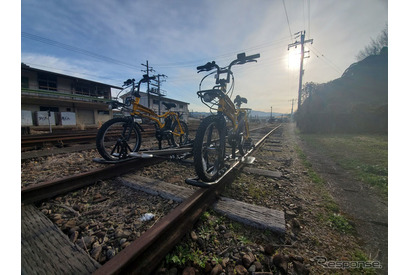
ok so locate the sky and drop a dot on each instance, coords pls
(107, 41)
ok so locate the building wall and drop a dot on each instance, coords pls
(102, 116)
(181, 107)
(87, 111)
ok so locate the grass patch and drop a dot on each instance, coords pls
(340, 223)
(310, 172)
(364, 156)
(182, 255)
(332, 214)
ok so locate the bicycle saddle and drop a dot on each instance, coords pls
(239, 100)
(169, 105)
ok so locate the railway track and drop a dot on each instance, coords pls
(78, 136)
(146, 252)
(38, 141)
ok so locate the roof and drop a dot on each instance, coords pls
(26, 67)
(163, 98)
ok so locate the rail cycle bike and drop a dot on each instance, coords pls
(119, 137)
(212, 134)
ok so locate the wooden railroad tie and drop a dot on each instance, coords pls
(253, 215)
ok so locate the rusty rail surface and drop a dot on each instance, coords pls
(89, 135)
(41, 191)
(144, 254)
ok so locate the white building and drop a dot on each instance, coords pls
(67, 101)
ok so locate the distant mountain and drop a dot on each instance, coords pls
(263, 114)
(253, 114)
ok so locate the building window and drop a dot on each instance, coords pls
(24, 82)
(103, 112)
(181, 106)
(47, 82)
(51, 109)
(155, 101)
(82, 89)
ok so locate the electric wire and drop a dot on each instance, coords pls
(287, 18)
(325, 59)
(75, 49)
(190, 63)
(308, 2)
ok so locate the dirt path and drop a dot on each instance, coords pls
(357, 200)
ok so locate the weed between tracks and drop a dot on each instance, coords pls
(315, 226)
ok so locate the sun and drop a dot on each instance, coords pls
(293, 59)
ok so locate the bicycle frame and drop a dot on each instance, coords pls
(225, 105)
(227, 108)
(142, 111)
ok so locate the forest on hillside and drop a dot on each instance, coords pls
(357, 102)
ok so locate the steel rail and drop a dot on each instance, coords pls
(46, 190)
(34, 140)
(144, 254)
(234, 165)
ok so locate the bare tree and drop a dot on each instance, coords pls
(375, 45)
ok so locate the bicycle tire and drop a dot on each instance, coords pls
(209, 159)
(244, 145)
(115, 138)
(179, 140)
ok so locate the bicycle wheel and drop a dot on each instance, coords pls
(117, 138)
(182, 139)
(209, 148)
(244, 144)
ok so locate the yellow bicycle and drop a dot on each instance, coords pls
(119, 137)
(213, 132)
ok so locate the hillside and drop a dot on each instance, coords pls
(355, 102)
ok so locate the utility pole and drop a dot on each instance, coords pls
(159, 90)
(147, 70)
(302, 57)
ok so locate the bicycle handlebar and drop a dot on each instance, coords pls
(128, 82)
(240, 59)
(207, 67)
(146, 78)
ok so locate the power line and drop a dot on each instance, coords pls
(308, 1)
(75, 49)
(119, 62)
(227, 55)
(325, 59)
(57, 70)
(287, 18)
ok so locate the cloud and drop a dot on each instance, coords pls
(78, 68)
(176, 36)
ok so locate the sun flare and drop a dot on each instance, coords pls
(293, 59)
